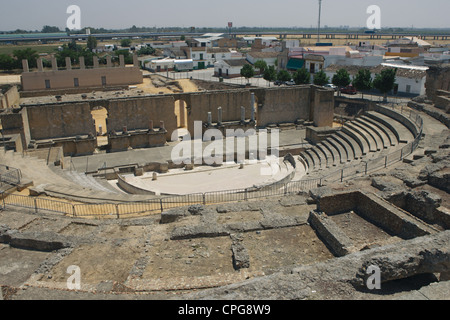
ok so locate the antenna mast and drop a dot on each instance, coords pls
(318, 27)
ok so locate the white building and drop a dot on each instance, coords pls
(229, 68)
(266, 41)
(105, 48)
(269, 57)
(167, 64)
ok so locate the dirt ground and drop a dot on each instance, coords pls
(360, 231)
(283, 248)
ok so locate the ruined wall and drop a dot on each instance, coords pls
(275, 106)
(60, 120)
(200, 104)
(136, 113)
(10, 99)
(13, 123)
(438, 78)
(283, 105)
(322, 106)
(87, 78)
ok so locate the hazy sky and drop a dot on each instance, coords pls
(120, 14)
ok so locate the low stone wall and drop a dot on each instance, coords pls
(71, 146)
(316, 135)
(375, 210)
(62, 92)
(432, 111)
(331, 234)
(443, 102)
(41, 241)
(132, 188)
(390, 218)
(336, 203)
(136, 139)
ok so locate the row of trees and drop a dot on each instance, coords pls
(362, 81)
(301, 76)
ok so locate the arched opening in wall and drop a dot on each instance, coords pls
(181, 113)
(100, 116)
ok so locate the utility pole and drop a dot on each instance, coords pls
(318, 27)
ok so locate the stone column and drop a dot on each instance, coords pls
(219, 116)
(242, 114)
(122, 61)
(150, 125)
(135, 60)
(82, 63)
(25, 66)
(40, 65)
(253, 106)
(161, 126)
(209, 119)
(54, 64)
(68, 64)
(95, 62)
(108, 62)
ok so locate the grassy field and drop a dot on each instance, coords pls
(42, 48)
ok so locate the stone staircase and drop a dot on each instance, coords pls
(64, 183)
(372, 135)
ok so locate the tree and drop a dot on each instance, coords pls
(91, 43)
(6, 62)
(126, 43)
(49, 29)
(261, 65)
(74, 46)
(302, 76)
(320, 78)
(26, 54)
(385, 81)
(284, 75)
(128, 58)
(146, 51)
(363, 80)
(270, 74)
(247, 71)
(341, 78)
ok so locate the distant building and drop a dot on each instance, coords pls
(266, 41)
(269, 57)
(407, 50)
(105, 48)
(229, 68)
(314, 62)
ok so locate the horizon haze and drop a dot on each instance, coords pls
(116, 14)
